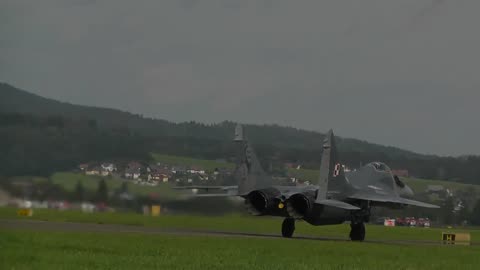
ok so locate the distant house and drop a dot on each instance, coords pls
(93, 171)
(196, 170)
(178, 169)
(109, 167)
(135, 164)
(132, 173)
(400, 173)
(83, 167)
(133, 170)
(160, 174)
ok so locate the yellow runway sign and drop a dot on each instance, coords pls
(456, 238)
(25, 212)
(156, 209)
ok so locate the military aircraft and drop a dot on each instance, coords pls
(337, 197)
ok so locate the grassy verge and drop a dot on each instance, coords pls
(208, 165)
(237, 223)
(68, 181)
(69, 250)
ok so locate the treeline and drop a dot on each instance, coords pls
(32, 145)
(40, 145)
(40, 135)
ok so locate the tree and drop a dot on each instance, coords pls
(124, 187)
(102, 192)
(475, 216)
(79, 194)
(448, 207)
(463, 215)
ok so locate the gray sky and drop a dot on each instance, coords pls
(402, 73)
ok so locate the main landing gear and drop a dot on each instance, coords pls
(357, 232)
(288, 227)
(358, 220)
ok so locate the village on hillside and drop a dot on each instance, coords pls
(155, 173)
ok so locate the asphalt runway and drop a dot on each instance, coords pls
(118, 228)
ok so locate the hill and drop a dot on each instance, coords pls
(41, 136)
(14, 100)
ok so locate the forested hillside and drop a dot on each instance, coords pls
(41, 136)
(13, 100)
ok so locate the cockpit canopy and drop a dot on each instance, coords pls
(379, 166)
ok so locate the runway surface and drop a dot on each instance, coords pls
(118, 228)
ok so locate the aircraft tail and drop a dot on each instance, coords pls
(332, 174)
(248, 172)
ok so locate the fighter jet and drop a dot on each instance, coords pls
(337, 197)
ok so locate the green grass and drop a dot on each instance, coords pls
(68, 181)
(24, 249)
(305, 174)
(237, 223)
(208, 165)
(420, 185)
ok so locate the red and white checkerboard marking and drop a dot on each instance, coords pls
(336, 170)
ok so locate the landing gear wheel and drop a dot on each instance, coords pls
(357, 232)
(288, 227)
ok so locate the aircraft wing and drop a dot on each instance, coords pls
(389, 199)
(208, 187)
(338, 204)
(232, 191)
(212, 195)
(418, 203)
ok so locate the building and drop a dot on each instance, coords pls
(83, 167)
(109, 167)
(160, 174)
(178, 169)
(196, 170)
(132, 173)
(93, 171)
(133, 170)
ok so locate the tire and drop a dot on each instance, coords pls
(357, 232)
(288, 227)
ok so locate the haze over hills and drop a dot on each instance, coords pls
(14, 100)
(40, 136)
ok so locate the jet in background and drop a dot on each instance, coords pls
(336, 197)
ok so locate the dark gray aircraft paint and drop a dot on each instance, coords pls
(338, 196)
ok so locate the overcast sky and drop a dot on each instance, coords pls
(403, 73)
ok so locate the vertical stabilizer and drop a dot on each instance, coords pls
(249, 172)
(238, 133)
(332, 175)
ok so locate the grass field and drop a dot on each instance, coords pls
(208, 165)
(236, 223)
(29, 249)
(77, 250)
(69, 180)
